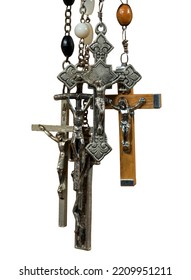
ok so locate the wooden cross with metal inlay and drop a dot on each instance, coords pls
(127, 152)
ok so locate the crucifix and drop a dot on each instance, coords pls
(86, 145)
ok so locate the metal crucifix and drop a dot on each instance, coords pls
(86, 146)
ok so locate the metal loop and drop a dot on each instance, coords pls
(101, 28)
(101, 5)
(65, 61)
(82, 10)
(124, 32)
(121, 58)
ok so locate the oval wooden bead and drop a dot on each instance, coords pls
(88, 40)
(81, 30)
(124, 14)
(89, 5)
(67, 45)
(68, 2)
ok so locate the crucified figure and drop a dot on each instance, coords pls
(126, 119)
(61, 169)
(77, 141)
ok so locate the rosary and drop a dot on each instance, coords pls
(86, 145)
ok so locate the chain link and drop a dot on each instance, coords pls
(68, 15)
(81, 60)
(85, 124)
(100, 12)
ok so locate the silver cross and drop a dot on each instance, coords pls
(100, 77)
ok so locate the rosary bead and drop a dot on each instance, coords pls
(67, 45)
(68, 2)
(88, 40)
(89, 5)
(82, 30)
(124, 14)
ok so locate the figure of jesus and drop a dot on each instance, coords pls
(63, 148)
(126, 120)
(77, 141)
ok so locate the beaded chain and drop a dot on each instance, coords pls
(124, 16)
(67, 43)
(84, 30)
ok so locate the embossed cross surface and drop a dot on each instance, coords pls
(100, 76)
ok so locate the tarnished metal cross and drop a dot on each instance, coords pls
(100, 77)
(63, 143)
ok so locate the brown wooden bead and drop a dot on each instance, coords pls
(124, 14)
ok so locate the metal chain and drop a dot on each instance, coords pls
(68, 15)
(85, 124)
(124, 39)
(81, 54)
(81, 59)
(86, 57)
(125, 45)
(67, 29)
(100, 12)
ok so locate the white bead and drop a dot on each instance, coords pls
(89, 38)
(81, 30)
(89, 4)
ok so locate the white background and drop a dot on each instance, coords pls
(148, 225)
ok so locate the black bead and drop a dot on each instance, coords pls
(67, 45)
(68, 2)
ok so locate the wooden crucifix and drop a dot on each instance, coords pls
(126, 103)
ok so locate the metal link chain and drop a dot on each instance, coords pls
(100, 12)
(68, 15)
(125, 45)
(67, 29)
(81, 59)
(81, 54)
(86, 58)
(85, 124)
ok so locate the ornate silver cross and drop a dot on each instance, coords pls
(100, 77)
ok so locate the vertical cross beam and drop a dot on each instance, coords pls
(63, 203)
(83, 165)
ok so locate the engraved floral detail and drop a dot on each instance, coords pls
(128, 76)
(100, 48)
(99, 148)
(70, 76)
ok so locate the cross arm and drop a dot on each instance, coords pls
(153, 101)
(53, 128)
